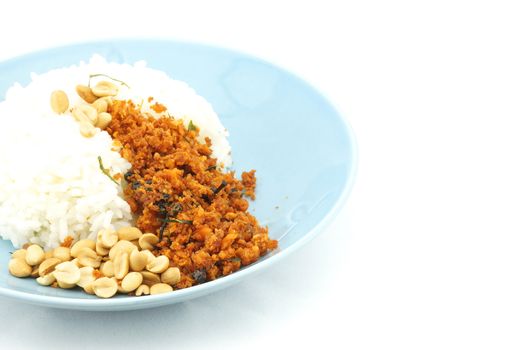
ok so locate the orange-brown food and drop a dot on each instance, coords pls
(177, 192)
(68, 242)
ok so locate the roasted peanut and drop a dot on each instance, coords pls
(105, 287)
(149, 278)
(142, 290)
(124, 246)
(100, 249)
(85, 113)
(131, 282)
(46, 280)
(65, 285)
(107, 237)
(86, 94)
(101, 105)
(149, 255)
(59, 101)
(62, 253)
(81, 244)
(129, 233)
(67, 273)
(148, 241)
(34, 255)
(121, 265)
(18, 267)
(103, 120)
(105, 88)
(20, 253)
(138, 260)
(107, 269)
(88, 257)
(86, 276)
(47, 266)
(171, 276)
(159, 264)
(160, 288)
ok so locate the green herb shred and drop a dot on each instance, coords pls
(107, 76)
(106, 171)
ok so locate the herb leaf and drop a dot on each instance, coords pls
(107, 76)
(221, 186)
(191, 126)
(105, 171)
(179, 221)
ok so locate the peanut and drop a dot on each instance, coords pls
(105, 287)
(34, 255)
(125, 246)
(18, 267)
(142, 290)
(131, 282)
(171, 276)
(86, 94)
(107, 237)
(149, 255)
(67, 273)
(101, 105)
(100, 249)
(81, 244)
(148, 241)
(129, 233)
(149, 278)
(85, 113)
(88, 257)
(46, 280)
(121, 265)
(138, 260)
(108, 269)
(59, 101)
(20, 253)
(47, 266)
(86, 276)
(103, 120)
(62, 253)
(160, 288)
(159, 264)
(105, 88)
(65, 285)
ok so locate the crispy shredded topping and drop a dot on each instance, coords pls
(68, 241)
(178, 192)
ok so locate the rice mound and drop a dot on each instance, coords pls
(51, 185)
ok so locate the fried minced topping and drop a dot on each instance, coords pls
(177, 191)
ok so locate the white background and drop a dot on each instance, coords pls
(428, 253)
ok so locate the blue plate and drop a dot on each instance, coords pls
(302, 149)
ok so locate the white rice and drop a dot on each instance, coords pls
(51, 185)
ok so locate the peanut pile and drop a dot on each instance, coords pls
(94, 112)
(118, 261)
